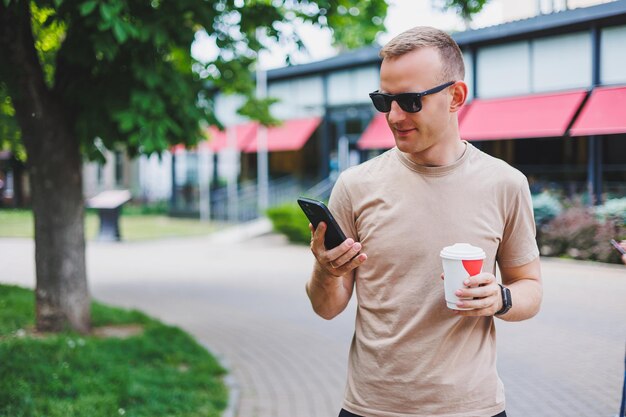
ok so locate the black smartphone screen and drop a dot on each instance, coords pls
(317, 212)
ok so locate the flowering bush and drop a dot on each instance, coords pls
(614, 209)
(579, 234)
(546, 206)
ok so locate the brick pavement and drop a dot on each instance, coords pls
(246, 303)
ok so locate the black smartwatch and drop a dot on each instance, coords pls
(507, 303)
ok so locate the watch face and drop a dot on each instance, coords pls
(508, 297)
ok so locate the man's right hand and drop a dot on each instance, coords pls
(340, 260)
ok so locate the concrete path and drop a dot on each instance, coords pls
(245, 301)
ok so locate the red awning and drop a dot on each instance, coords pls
(377, 135)
(291, 135)
(244, 133)
(540, 115)
(603, 114)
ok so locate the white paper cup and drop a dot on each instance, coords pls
(460, 261)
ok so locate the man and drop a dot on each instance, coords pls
(411, 355)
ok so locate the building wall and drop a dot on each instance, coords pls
(300, 97)
(154, 177)
(551, 55)
(100, 177)
(352, 86)
(148, 178)
(613, 55)
(503, 70)
(535, 66)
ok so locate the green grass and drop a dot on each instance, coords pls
(133, 226)
(160, 372)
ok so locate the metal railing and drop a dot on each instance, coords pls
(242, 206)
(240, 203)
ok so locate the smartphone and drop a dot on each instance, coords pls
(317, 212)
(618, 247)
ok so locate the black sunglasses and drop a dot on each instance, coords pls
(409, 102)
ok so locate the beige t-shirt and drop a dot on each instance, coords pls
(410, 355)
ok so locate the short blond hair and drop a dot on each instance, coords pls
(424, 37)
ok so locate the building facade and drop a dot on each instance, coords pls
(547, 94)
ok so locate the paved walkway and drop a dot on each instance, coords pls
(246, 302)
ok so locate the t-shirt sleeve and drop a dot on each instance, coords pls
(519, 246)
(341, 208)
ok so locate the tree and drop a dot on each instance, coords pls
(467, 9)
(77, 73)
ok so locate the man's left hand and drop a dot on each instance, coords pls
(484, 295)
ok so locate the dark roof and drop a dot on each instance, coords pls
(561, 22)
(350, 59)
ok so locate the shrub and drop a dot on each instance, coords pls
(546, 206)
(155, 208)
(614, 209)
(577, 233)
(289, 220)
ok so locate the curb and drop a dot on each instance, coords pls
(234, 389)
(243, 231)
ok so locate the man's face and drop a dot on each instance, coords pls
(416, 71)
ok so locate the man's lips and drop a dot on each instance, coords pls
(404, 131)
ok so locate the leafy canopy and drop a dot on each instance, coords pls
(464, 8)
(124, 75)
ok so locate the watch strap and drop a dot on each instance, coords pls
(507, 302)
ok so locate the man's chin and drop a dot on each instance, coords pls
(404, 143)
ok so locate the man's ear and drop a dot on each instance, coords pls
(459, 95)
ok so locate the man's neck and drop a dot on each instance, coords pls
(440, 154)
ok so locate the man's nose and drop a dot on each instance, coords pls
(396, 114)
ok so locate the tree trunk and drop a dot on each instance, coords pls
(56, 180)
(54, 161)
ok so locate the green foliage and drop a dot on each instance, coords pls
(464, 8)
(355, 23)
(49, 34)
(546, 206)
(124, 72)
(290, 221)
(157, 208)
(160, 372)
(10, 134)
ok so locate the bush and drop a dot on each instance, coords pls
(577, 233)
(614, 209)
(142, 209)
(289, 220)
(546, 206)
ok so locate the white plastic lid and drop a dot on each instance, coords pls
(462, 251)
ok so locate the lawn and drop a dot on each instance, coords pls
(19, 223)
(159, 371)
